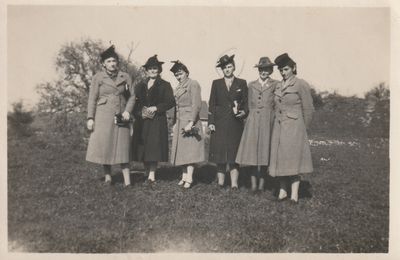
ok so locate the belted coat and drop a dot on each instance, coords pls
(224, 142)
(254, 146)
(187, 149)
(150, 139)
(109, 143)
(290, 149)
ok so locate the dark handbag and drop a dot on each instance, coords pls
(119, 121)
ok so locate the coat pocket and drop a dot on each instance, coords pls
(101, 101)
(292, 115)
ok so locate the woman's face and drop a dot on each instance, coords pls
(110, 64)
(152, 72)
(228, 70)
(286, 72)
(181, 75)
(265, 72)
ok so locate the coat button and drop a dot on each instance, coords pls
(259, 97)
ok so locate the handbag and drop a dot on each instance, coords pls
(119, 120)
(147, 114)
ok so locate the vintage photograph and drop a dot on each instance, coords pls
(198, 128)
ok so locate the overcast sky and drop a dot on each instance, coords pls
(343, 49)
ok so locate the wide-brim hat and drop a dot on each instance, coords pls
(153, 61)
(225, 60)
(284, 60)
(178, 66)
(264, 62)
(108, 53)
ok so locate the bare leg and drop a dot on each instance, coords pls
(184, 175)
(189, 176)
(221, 169)
(283, 188)
(254, 172)
(152, 170)
(234, 175)
(263, 173)
(126, 173)
(107, 172)
(295, 188)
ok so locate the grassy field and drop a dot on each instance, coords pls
(57, 202)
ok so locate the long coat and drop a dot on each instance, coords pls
(255, 143)
(290, 149)
(150, 139)
(109, 143)
(224, 142)
(187, 149)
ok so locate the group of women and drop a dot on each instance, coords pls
(261, 125)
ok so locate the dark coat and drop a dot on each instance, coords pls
(150, 140)
(224, 142)
(109, 143)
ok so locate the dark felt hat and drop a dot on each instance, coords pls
(225, 60)
(178, 66)
(284, 60)
(153, 61)
(264, 62)
(110, 52)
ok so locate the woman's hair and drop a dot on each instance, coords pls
(231, 62)
(185, 69)
(292, 64)
(158, 66)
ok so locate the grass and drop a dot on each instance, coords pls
(57, 202)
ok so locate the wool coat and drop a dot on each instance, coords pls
(290, 149)
(187, 149)
(254, 146)
(109, 143)
(224, 142)
(150, 139)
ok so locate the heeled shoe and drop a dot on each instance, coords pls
(282, 199)
(294, 202)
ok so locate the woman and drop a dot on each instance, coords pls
(154, 96)
(290, 150)
(255, 143)
(227, 108)
(188, 141)
(109, 142)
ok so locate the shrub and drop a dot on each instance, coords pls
(20, 120)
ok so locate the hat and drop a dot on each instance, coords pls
(153, 61)
(225, 60)
(178, 66)
(283, 60)
(264, 62)
(110, 52)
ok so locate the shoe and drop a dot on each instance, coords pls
(127, 186)
(235, 188)
(187, 185)
(181, 182)
(282, 200)
(294, 202)
(220, 186)
(149, 182)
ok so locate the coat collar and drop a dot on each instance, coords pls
(284, 86)
(120, 78)
(257, 85)
(181, 88)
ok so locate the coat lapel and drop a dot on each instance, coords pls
(181, 89)
(288, 84)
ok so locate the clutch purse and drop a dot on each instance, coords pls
(147, 114)
(119, 121)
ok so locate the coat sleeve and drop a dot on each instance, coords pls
(306, 103)
(167, 100)
(196, 101)
(93, 96)
(137, 108)
(245, 98)
(132, 99)
(212, 103)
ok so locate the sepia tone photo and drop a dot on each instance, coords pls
(203, 128)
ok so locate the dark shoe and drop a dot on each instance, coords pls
(128, 186)
(294, 202)
(220, 186)
(235, 189)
